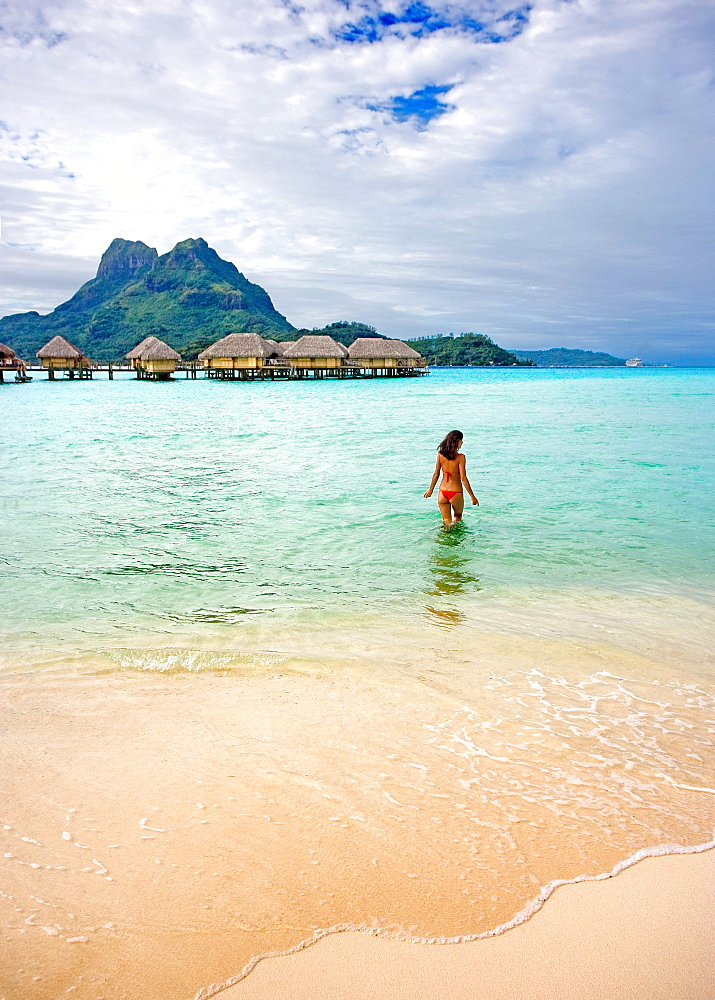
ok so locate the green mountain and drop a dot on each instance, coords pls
(470, 349)
(186, 295)
(567, 357)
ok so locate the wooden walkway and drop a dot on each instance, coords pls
(189, 370)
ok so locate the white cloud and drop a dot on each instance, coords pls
(565, 200)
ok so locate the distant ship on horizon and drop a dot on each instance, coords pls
(634, 363)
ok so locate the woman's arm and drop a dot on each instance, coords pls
(463, 473)
(435, 477)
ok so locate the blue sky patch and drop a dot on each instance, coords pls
(421, 106)
(419, 19)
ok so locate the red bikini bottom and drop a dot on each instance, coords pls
(448, 494)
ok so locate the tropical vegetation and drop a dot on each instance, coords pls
(566, 357)
(474, 350)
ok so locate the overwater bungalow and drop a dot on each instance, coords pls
(135, 353)
(9, 361)
(388, 357)
(316, 351)
(157, 360)
(59, 355)
(7, 356)
(238, 353)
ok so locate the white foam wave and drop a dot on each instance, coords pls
(532, 907)
(170, 660)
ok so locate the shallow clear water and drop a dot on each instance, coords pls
(234, 629)
(146, 504)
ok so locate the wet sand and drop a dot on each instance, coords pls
(646, 934)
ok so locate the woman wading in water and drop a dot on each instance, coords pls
(453, 468)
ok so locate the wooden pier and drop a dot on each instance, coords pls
(19, 373)
(288, 371)
(194, 371)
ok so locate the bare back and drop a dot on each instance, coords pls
(451, 469)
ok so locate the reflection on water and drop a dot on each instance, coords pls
(216, 616)
(449, 564)
(450, 573)
(445, 616)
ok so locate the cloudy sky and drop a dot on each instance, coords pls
(540, 173)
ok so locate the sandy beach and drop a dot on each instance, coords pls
(647, 934)
(162, 830)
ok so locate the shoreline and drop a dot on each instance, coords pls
(210, 818)
(629, 939)
(524, 915)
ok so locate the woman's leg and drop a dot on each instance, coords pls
(458, 506)
(445, 508)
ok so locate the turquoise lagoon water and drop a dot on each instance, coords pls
(228, 609)
(137, 506)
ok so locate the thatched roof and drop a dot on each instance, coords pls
(315, 346)
(136, 352)
(159, 351)
(239, 345)
(276, 348)
(376, 347)
(58, 347)
(6, 352)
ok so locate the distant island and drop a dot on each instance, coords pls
(478, 350)
(569, 357)
(467, 350)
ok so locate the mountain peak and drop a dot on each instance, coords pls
(191, 244)
(123, 258)
(192, 252)
(189, 293)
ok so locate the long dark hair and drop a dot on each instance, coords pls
(451, 443)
